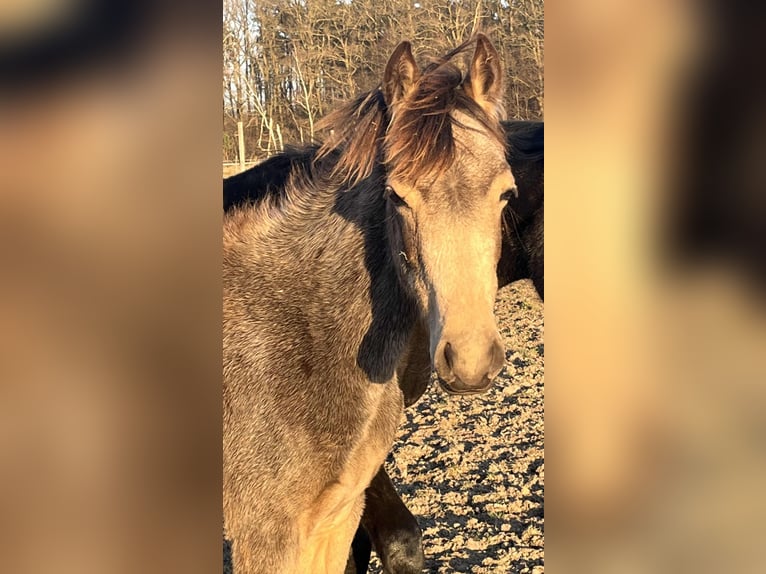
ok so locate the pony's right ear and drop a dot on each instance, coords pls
(485, 78)
(401, 74)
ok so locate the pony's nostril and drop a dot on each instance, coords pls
(449, 356)
(470, 367)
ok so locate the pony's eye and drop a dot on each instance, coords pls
(509, 194)
(394, 197)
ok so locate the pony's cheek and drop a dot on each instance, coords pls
(402, 239)
(409, 244)
(404, 243)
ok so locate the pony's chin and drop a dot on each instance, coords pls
(451, 390)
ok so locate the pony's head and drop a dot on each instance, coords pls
(437, 132)
(447, 182)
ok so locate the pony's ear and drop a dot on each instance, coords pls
(401, 74)
(485, 78)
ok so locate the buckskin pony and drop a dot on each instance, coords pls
(393, 530)
(325, 289)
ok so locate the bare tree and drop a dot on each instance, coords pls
(287, 62)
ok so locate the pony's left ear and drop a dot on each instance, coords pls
(401, 74)
(485, 78)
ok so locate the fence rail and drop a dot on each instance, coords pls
(234, 167)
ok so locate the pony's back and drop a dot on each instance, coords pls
(268, 177)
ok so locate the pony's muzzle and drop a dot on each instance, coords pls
(469, 367)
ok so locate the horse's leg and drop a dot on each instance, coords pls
(394, 532)
(399, 542)
(326, 543)
(359, 556)
(397, 536)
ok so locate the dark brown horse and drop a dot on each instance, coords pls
(394, 531)
(333, 292)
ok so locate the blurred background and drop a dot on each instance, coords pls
(655, 326)
(110, 290)
(110, 166)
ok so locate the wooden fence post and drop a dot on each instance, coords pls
(241, 137)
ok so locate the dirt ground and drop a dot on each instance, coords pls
(472, 469)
